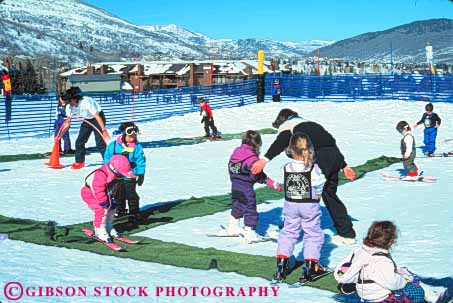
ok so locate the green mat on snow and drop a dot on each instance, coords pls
(150, 144)
(169, 253)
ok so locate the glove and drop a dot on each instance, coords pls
(407, 275)
(273, 185)
(140, 179)
(349, 173)
(112, 204)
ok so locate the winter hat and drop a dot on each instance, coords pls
(74, 92)
(120, 166)
(282, 116)
(402, 125)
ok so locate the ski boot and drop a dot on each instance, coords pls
(282, 268)
(312, 271)
(251, 236)
(102, 234)
(234, 228)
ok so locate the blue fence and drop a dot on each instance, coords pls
(34, 115)
(433, 88)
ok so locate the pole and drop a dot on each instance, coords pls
(260, 89)
(391, 56)
(319, 68)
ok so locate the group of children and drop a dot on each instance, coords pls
(107, 189)
(431, 121)
(369, 271)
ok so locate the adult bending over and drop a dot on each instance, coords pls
(94, 120)
(328, 158)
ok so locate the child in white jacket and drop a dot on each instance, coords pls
(373, 272)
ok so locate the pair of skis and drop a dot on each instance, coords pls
(112, 245)
(427, 179)
(299, 284)
(223, 234)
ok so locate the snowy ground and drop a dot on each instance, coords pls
(364, 130)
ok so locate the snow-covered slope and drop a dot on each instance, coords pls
(77, 32)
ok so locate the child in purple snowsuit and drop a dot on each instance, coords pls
(60, 119)
(303, 186)
(242, 181)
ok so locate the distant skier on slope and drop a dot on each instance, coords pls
(207, 118)
(408, 151)
(99, 194)
(242, 180)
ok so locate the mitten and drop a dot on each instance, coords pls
(140, 179)
(274, 185)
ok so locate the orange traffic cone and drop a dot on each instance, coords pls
(54, 161)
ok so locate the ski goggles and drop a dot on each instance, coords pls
(131, 130)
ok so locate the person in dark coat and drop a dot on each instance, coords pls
(329, 159)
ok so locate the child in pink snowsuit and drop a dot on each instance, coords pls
(99, 192)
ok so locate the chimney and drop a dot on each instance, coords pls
(90, 70)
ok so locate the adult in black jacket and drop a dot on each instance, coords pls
(329, 159)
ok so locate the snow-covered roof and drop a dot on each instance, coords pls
(126, 86)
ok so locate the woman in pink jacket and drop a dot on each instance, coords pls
(99, 192)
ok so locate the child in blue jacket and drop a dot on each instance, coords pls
(127, 144)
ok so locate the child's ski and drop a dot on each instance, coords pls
(427, 179)
(126, 240)
(260, 239)
(111, 245)
(438, 155)
(222, 233)
(302, 283)
(445, 297)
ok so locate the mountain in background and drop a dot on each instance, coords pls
(406, 42)
(75, 32)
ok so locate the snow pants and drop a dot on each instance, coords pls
(102, 215)
(244, 202)
(300, 217)
(429, 139)
(330, 160)
(209, 123)
(128, 191)
(84, 134)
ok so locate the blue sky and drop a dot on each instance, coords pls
(291, 20)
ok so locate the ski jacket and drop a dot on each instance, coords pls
(86, 108)
(134, 152)
(60, 111)
(327, 155)
(408, 145)
(241, 162)
(375, 275)
(299, 188)
(429, 120)
(95, 192)
(207, 108)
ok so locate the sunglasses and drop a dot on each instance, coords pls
(131, 130)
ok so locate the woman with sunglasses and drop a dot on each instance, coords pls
(126, 144)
